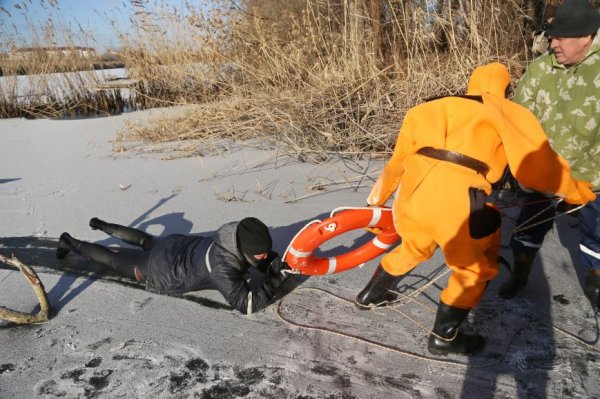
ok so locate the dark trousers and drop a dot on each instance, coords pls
(530, 239)
(589, 228)
(128, 262)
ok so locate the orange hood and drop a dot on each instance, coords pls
(492, 78)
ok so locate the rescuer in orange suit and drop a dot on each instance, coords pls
(448, 153)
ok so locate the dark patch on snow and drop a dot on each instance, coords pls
(98, 344)
(198, 368)
(343, 395)
(276, 378)
(342, 381)
(51, 388)
(6, 367)
(560, 298)
(95, 362)
(406, 384)
(442, 393)
(74, 375)
(179, 381)
(146, 363)
(325, 370)
(98, 382)
(411, 376)
(250, 376)
(225, 390)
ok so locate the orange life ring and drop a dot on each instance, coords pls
(299, 255)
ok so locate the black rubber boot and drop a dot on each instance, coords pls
(520, 273)
(378, 291)
(447, 338)
(129, 235)
(64, 246)
(592, 288)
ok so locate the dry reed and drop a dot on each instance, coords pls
(320, 77)
(317, 76)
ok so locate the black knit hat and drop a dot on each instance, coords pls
(253, 237)
(574, 18)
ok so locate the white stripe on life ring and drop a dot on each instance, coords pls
(376, 217)
(299, 254)
(332, 265)
(380, 244)
(206, 257)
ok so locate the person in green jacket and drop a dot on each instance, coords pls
(562, 88)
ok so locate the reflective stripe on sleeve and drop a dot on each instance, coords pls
(206, 257)
(249, 307)
(589, 252)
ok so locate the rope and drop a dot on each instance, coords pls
(358, 338)
(394, 306)
(578, 339)
(524, 226)
(404, 352)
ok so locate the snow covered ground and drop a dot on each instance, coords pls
(110, 338)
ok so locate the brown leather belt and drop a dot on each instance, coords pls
(454, 157)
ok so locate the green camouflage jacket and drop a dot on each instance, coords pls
(567, 103)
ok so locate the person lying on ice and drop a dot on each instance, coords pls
(448, 152)
(178, 263)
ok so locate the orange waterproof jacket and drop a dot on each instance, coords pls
(433, 205)
(495, 131)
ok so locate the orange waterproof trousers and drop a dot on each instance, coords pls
(437, 214)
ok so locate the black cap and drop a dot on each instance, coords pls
(253, 237)
(574, 18)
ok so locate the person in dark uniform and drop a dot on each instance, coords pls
(179, 263)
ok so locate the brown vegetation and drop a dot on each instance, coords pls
(321, 76)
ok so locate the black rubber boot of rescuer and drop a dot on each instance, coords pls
(520, 273)
(128, 234)
(64, 247)
(447, 338)
(591, 288)
(378, 291)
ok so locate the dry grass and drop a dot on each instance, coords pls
(316, 76)
(313, 78)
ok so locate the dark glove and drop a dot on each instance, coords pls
(276, 276)
(277, 268)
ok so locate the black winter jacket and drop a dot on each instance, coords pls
(183, 263)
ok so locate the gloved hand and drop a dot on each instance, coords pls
(276, 276)
(582, 195)
(277, 267)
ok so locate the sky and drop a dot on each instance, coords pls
(95, 23)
